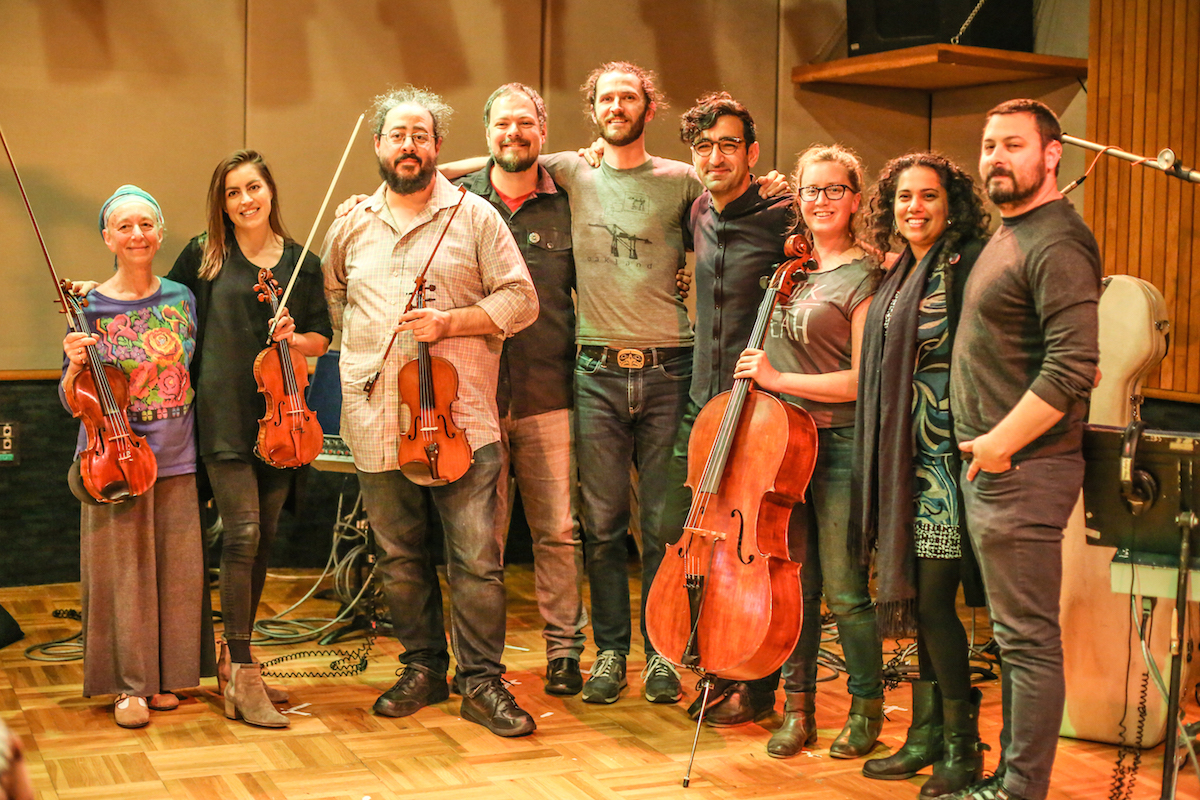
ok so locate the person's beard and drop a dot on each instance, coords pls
(513, 160)
(1017, 193)
(631, 135)
(405, 184)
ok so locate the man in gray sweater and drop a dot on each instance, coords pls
(1023, 367)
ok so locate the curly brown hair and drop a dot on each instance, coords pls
(646, 79)
(967, 217)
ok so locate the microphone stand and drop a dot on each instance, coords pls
(1164, 162)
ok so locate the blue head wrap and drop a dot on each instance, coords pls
(125, 194)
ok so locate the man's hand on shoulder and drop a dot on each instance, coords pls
(349, 203)
(773, 184)
(593, 154)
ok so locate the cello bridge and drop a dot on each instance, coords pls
(704, 533)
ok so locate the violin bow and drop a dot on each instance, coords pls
(369, 386)
(313, 230)
(62, 298)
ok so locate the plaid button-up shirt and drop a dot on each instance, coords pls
(370, 268)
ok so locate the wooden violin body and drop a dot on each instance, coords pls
(289, 435)
(726, 600)
(117, 464)
(434, 451)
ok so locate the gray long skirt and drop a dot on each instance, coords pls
(142, 570)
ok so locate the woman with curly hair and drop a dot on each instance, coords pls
(905, 491)
(811, 357)
(245, 233)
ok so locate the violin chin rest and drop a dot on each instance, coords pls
(115, 492)
(419, 473)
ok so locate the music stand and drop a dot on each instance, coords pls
(1140, 494)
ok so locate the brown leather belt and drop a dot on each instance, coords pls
(631, 357)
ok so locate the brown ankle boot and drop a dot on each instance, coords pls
(246, 698)
(862, 728)
(277, 696)
(799, 728)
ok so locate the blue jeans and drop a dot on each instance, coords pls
(399, 516)
(1016, 519)
(829, 568)
(624, 416)
(538, 450)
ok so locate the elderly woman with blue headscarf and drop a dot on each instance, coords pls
(141, 560)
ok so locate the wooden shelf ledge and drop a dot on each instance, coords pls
(933, 67)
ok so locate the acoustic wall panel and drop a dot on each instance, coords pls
(94, 95)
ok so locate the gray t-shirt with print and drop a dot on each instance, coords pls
(627, 232)
(811, 335)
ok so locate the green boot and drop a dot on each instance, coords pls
(923, 745)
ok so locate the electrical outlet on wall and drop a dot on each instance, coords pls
(10, 453)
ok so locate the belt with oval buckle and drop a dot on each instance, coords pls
(630, 358)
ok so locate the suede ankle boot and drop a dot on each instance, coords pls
(962, 760)
(246, 698)
(923, 745)
(277, 695)
(799, 728)
(862, 728)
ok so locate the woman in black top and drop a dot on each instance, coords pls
(907, 465)
(245, 233)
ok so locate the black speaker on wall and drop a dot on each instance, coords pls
(875, 26)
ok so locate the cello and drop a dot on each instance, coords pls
(726, 600)
(289, 435)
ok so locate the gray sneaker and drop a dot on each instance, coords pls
(661, 681)
(607, 678)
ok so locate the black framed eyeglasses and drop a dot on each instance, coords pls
(727, 144)
(834, 191)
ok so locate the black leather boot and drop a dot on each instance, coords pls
(799, 728)
(862, 728)
(922, 746)
(962, 761)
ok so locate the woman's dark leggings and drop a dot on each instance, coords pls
(249, 498)
(941, 639)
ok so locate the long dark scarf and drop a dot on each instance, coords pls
(882, 487)
(884, 439)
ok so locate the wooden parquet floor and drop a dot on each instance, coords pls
(337, 750)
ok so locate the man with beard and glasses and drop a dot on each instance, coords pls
(480, 293)
(534, 395)
(1022, 370)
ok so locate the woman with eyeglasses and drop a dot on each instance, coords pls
(245, 233)
(811, 357)
(907, 501)
(141, 559)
